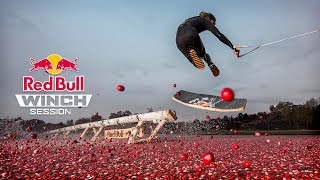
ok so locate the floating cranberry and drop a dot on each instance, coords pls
(33, 136)
(227, 94)
(183, 157)
(120, 88)
(309, 146)
(283, 151)
(207, 158)
(235, 147)
(246, 164)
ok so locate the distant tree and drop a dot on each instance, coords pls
(285, 114)
(69, 122)
(120, 114)
(82, 121)
(225, 118)
(311, 103)
(316, 119)
(127, 113)
(96, 117)
(18, 118)
(196, 121)
(61, 125)
(245, 116)
(150, 109)
(272, 108)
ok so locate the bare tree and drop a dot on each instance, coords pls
(150, 109)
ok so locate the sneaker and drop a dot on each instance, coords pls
(214, 70)
(196, 60)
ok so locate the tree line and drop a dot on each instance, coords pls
(283, 116)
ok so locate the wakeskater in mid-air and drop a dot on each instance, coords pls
(189, 43)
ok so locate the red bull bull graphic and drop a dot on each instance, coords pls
(53, 104)
(54, 64)
(64, 64)
(43, 64)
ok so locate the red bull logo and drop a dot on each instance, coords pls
(53, 104)
(54, 64)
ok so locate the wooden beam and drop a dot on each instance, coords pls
(135, 131)
(84, 132)
(97, 133)
(156, 130)
(94, 130)
(66, 134)
(152, 116)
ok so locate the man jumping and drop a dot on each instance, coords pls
(189, 42)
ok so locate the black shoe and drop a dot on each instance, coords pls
(214, 70)
(213, 67)
(196, 60)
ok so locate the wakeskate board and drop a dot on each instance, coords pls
(209, 102)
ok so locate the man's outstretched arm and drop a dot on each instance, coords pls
(223, 38)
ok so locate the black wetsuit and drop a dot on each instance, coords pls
(188, 37)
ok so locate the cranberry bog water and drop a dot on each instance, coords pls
(166, 157)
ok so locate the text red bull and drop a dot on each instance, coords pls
(57, 83)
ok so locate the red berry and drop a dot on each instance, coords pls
(120, 88)
(207, 158)
(309, 146)
(235, 146)
(178, 94)
(33, 136)
(283, 151)
(174, 85)
(207, 117)
(247, 164)
(29, 128)
(290, 142)
(227, 94)
(265, 134)
(183, 157)
(260, 117)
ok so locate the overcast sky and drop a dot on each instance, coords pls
(133, 43)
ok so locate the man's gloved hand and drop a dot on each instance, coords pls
(236, 52)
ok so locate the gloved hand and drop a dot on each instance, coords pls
(236, 52)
